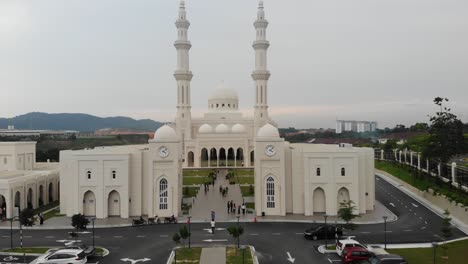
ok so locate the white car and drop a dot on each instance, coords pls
(65, 256)
(349, 243)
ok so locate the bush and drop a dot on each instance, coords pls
(26, 217)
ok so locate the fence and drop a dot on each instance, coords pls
(457, 176)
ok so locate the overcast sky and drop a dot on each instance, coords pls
(382, 60)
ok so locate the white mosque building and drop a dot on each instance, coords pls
(303, 179)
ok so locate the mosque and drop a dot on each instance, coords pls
(129, 181)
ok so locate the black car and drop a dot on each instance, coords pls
(384, 259)
(322, 232)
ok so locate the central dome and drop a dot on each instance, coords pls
(223, 99)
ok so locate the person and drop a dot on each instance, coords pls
(41, 218)
(212, 226)
(220, 188)
(229, 207)
(243, 208)
(226, 189)
(233, 208)
(141, 220)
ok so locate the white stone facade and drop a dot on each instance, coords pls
(23, 182)
(139, 180)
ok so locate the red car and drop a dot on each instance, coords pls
(353, 254)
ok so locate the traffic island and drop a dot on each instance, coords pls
(229, 255)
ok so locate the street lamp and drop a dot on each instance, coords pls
(326, 231)
(189, 234)
(11, 232)
(385, 230)
(434, 245)
(92, 221)
(238, 236)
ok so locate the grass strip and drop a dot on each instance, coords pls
(188, 256)
(455, 252)
(238, 256)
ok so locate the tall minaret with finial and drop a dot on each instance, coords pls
(183, 75)
(261, 73)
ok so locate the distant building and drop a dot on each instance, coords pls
(12, 132)
(355, 126)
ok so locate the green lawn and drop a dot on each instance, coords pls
(188, 256)
(234, 256)
(422, 183)
(456, 252)
(198, 172)
(52, 213)
(244, 179)
(190, 191)
(243, 172)
(247, 191)
(250, 205)
(194, 180)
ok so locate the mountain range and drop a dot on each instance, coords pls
(78, 122)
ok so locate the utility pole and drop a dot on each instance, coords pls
(385, 230)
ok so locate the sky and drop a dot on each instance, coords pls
(381, 60)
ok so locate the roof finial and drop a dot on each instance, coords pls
(260, 4)
(182, 3)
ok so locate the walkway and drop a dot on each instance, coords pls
(213, 200)
(215, 255)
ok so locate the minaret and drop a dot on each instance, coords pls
(261, 73)
(183, 75)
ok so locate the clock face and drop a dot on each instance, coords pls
(163, 152)
(270, 150)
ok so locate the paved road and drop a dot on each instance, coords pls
(273, 241)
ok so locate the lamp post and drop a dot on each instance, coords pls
(11, 232)
(434, 245)
(385, 230)
(189, 235)
(238, 236)
(92, 221)
(326, 231)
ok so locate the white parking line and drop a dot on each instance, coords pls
(299, 233)
(276, 234)
(365, 232)
(141, 236)
(423, 227)
(255, 234)
(49, 237)
(118, 236)
(6, 236)
(407, 230)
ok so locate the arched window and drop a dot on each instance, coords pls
(270, 192)
(343, 171)
(223, 105)
(217, 105)
(229, 105)
(163, 194)
(318, 172)
(114, 174)
(88, 174)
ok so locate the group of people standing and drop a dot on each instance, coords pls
(223, 190)
(231, 208)
(207, 185)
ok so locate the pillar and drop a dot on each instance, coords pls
(381, 154)
(419, 161)
(401, 152)
(438, 169)
(411, 158)
(454, 172)
(427, 165)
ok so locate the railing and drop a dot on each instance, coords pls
(457, 176)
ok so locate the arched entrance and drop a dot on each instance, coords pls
(113, 204)
(40, 199)
(51, 192)
(18, 199)
(343, 196)
(222, 157)
(3, 206)
(190, 159)
(240, 157)
(252, 158)
(213, 158)
(204, 158)
(89, 204)
(230, 157)
(319, 201)
(29, 199)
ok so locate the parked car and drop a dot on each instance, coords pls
(353, 254)
(63, 256)
(88, 250)
(384, 259)
(349, 243)
(322, 231)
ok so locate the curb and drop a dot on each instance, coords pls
(438, 211)
(254, 255)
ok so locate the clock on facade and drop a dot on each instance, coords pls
(270, 150)
(163, 152)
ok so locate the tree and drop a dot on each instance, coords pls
(236, 231)
(26, 217)
(79, 222)
(446, 137)
(346, 212)
(176, 238)
(390, 145)
(184, 233)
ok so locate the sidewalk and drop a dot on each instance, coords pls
(216, 255)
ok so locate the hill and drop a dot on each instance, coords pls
(79, 122)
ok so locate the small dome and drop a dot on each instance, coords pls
(205, 128)
(165, 132)
(222, 128)
(223, 92)
(238, 128)
(268, 131)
